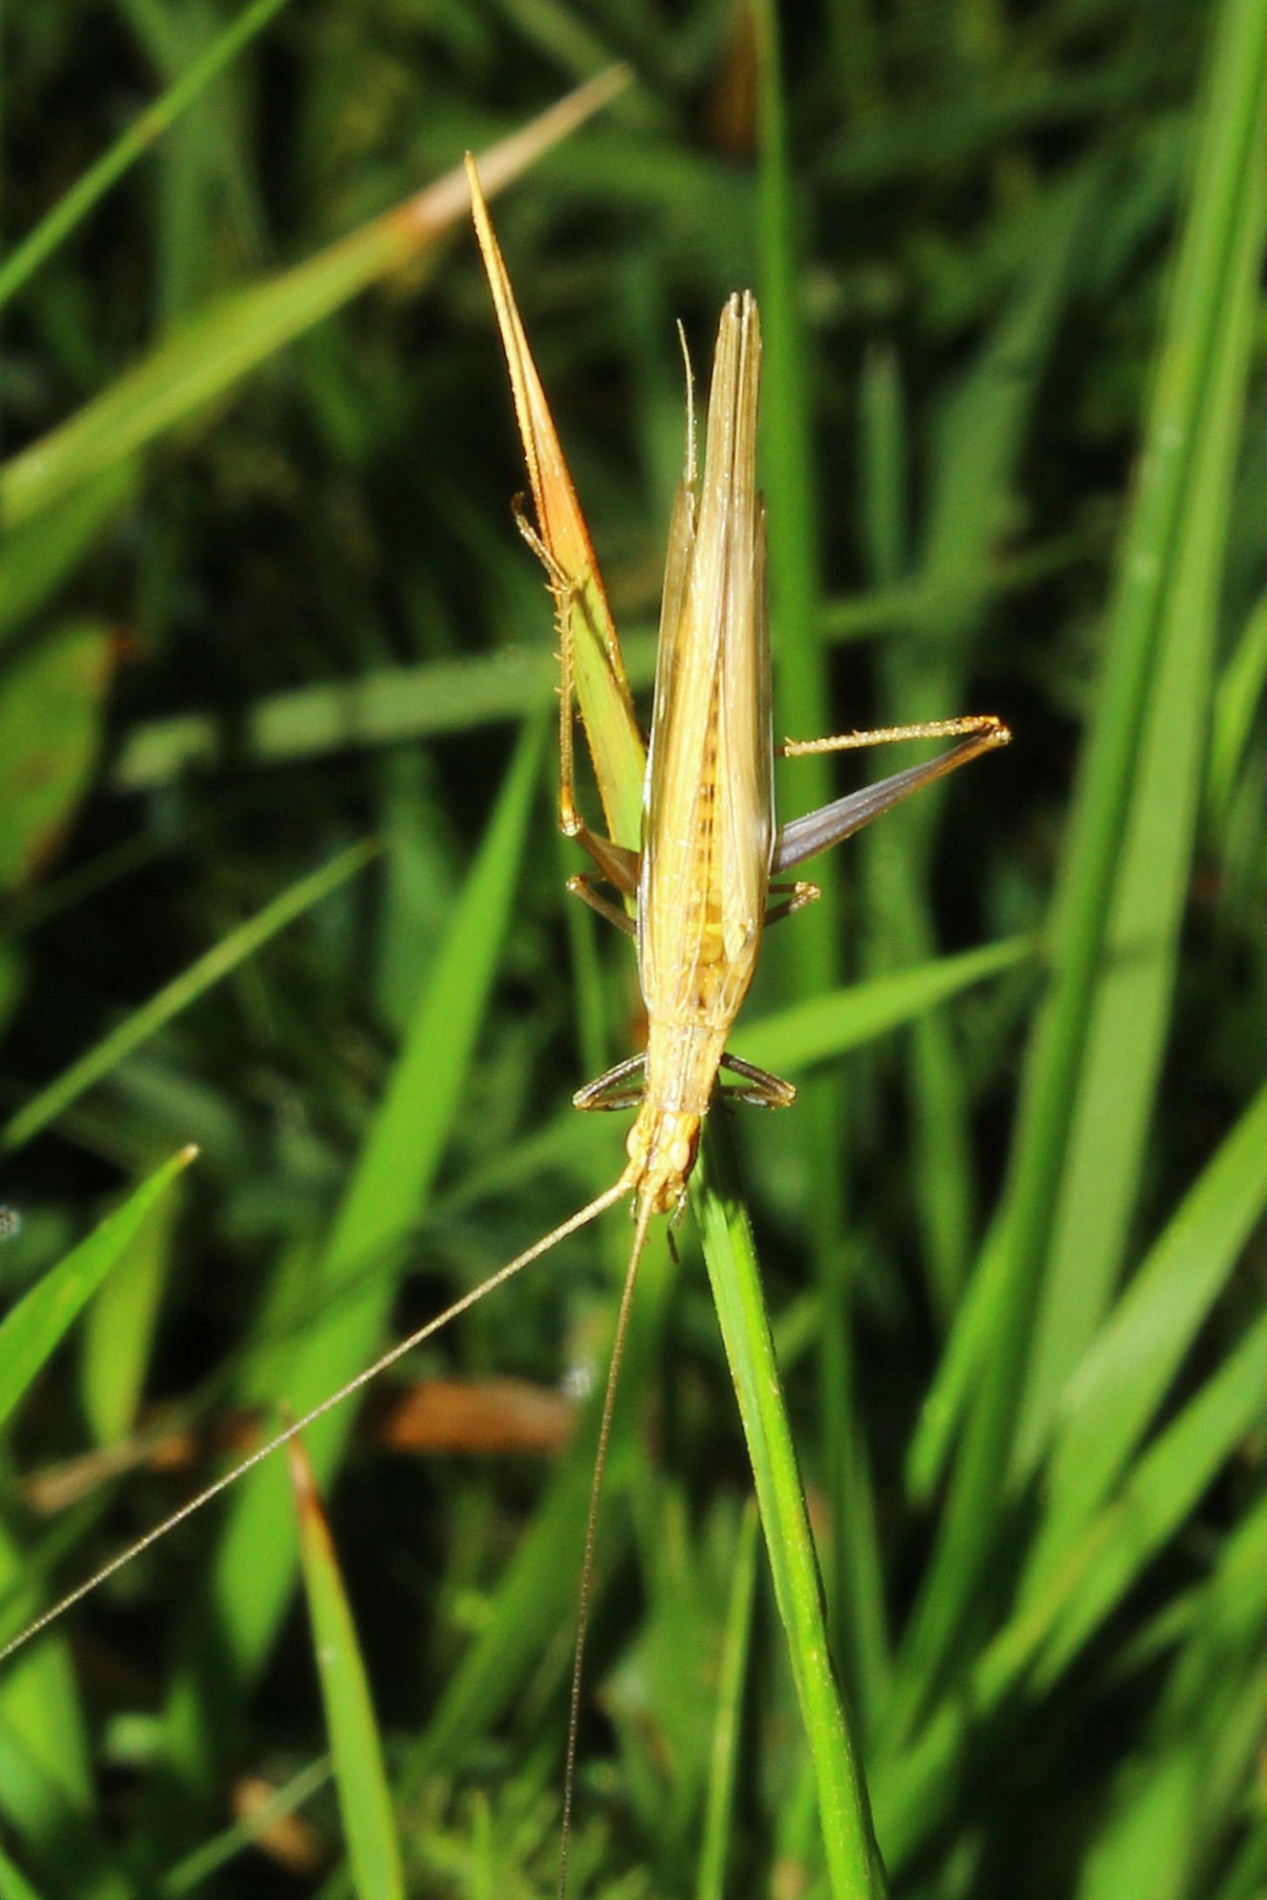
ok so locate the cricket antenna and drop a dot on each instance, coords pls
(572, 1225)
(645, 1209)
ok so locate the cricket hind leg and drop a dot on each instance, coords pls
(818, 830)
(758, 1087)
(791, 898)
(621, 1087)
(582, 888)
(983, 726)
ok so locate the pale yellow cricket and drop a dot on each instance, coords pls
(702, 877)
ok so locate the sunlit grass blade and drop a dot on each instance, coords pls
(1223, 201)
(365, 1802)
(209, 969)
(1130, 1019)
(209, 354)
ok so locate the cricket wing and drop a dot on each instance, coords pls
(707, 824)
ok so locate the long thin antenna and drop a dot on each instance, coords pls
(645, 1210)
(580, 1219)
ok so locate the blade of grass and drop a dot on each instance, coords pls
(205, 357)
(855, 1592)
(1131, 1012)
(732, 1675)
(360, 1773)
(854, 1868)
(1223, 194)
(37, 1324)
(25, 259)
(52, 1101)
(1128, 1369)
(251, 1576)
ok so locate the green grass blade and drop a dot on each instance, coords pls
(52, 711)
(1223, 196)
(853, 1862)
(1159, 1492)
(1124, 1377)
(1131, 1013)
(825, 1026)
(71, 210)
(719, 1813)
(209, 354)
(365, 1802)
(1236, 704)
(177, 995)
(254, 1568)
(37, 1324)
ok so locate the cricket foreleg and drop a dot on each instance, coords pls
(803, 837)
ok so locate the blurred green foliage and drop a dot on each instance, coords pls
(261, 598)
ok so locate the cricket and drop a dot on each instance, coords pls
(695, 876)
